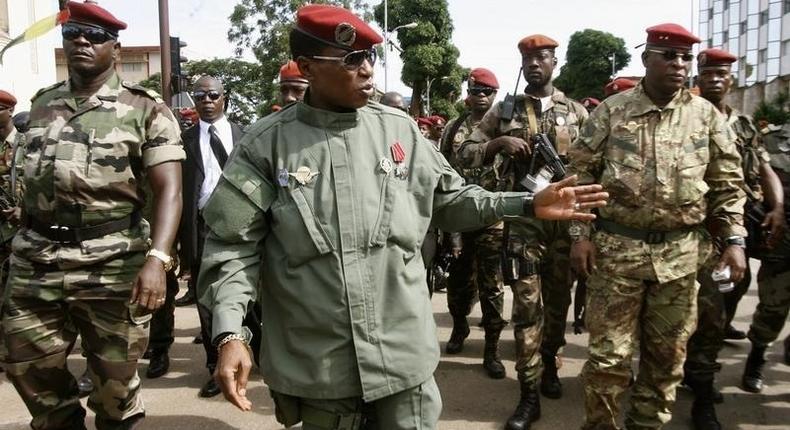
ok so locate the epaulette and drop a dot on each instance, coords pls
(137, 88)
(46, 89)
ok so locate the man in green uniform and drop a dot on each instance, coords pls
(79, 263)
(478, 266)
(773, 279)
(8, 219)
(671, 164)
(704, 345)
(501, 141)
(332, 198)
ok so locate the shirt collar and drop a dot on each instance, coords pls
(326, 119)
(221, 123)
(644, 105)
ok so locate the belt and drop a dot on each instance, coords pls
(67, 234)
(651, 237)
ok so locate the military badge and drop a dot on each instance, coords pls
(560, 121)
(385, 165)
(345, 34)
(282, 177)
(304, 175)
(398, 154)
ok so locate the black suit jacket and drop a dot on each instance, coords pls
(193, 175)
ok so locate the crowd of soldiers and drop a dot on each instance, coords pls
(307, 239)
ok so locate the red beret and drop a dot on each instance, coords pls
(290, 72)
(715, 57)
(91, 13)
(618, 85)
(671, 35)
(276, 108)
(436, 120)
(424, 121)
(483, 77)
(336, 26)
(536, 42)
(590, 101)
(7, 99)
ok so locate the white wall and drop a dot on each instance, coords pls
(29, 66)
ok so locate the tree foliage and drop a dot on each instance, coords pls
(428, 52)
(588, 64)
(775, 111)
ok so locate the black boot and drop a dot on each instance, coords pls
(703, 413)
(528, 409)
(491, 361)
(159, 364)
(460, 332)
(752, 380)
(732, 333)
(718, 398)
(550, 385)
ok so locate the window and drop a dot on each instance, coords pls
(775, 10)
(774, 30)
(752, 39)
(786, 8)
(735, 13)
(762, 56)
(717, 39)
(772, 68)
(132, 67)
(725, 35)
(753, 21)
(717, 6)
(764, 17)
(743, 27)
(786, 47)
(753, 6)
(725, 4)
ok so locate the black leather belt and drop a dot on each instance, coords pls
(67, 234)
(651, 237)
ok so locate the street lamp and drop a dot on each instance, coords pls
(429, 81)
(387, 43)
(613, 57)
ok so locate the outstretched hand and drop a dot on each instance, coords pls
(563, 200)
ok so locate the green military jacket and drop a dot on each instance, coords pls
(665, 169)
(85, 164)
(315, 205)
(748, 140)
(7, 150)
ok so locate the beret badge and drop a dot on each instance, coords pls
(345, 34)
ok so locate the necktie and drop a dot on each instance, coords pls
(216, 147)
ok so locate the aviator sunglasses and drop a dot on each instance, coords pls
(671, 54)
(93, 35)
(476, 91)
(200, 95)
(354, 59)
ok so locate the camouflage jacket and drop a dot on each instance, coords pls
(665, 169)
(8, 150)
(777, 143)
(561, 121)
(85, 164)
(483, 176)
(750, 145)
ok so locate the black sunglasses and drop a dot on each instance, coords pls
(200, 95)
(94, 35)
(354, 59)
(486, 91)
(671, 54)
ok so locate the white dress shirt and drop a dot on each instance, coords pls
(210, 164)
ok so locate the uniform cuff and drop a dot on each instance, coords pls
(162, 154)
(513, 204)
(225, 320)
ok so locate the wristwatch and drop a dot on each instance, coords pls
(165, 258)
(528, 205)
(736, 240)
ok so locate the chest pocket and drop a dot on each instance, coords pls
(298, 229)
(691, 186)
(622, 175)
(395, 221)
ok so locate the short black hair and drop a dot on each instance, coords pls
(304, 45)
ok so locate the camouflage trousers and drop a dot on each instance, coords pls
(478, 268)
(5, 253)
(773, 289)
(46, 309)
(541, 243)
(556, 282)
(708, 338)
(624, 314)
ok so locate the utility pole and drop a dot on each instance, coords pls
(164, 49)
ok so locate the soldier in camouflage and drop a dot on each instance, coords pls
(478, 265)
(773, 278)
(79, 259)
(672, 167)
(704, 345)
(501, 141)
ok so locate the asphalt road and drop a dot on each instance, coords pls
(471, 400)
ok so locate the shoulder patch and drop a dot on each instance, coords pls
(137, 88)
(46, 89)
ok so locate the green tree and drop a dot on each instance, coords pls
(153, 82)
(428, 52)
(776, 111)
(588, 64)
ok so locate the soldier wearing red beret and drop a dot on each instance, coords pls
(618, 85)
(9, 141)
(98, 264)
(424, 125)
(674, 172)
(331, 198)
(503, 140)
(292, 84)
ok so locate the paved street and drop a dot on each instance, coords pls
(471, 400)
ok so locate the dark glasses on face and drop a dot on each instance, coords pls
(94, 35)
(200, 95)
(354, 59)
(476, 91)
(671, 54)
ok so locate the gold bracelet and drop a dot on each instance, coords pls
(230, 337)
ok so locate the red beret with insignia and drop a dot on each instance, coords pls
(536, 42)
(618, 85)
(93, 14)
(715, 57)
(590, 101)
(290, 72)
(483, 77)
(424, 121)
(7, 99)
(336, 26)
(671, 35)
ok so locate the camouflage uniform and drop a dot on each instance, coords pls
(8, 230)
(478, 267)
(773, 278)
(544, 245)
(666, 171)
(707, 340)
(84, 163)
